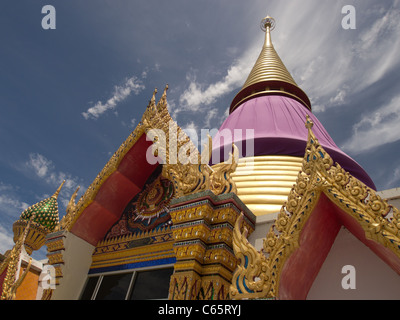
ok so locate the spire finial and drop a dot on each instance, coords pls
(269, 75)
(267, 22)
(55, 195)
(267, 25)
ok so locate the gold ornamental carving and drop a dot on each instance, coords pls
(183, 164)
(202, 230)
(189, 176)
(12, 263)
(258, 272)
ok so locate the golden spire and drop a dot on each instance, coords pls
(55, 195)
(269, 75)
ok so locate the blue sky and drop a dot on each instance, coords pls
(70, 96)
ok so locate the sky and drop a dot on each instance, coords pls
(69, 96)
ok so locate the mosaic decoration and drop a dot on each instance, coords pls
(146, 211)
(152, 204)
(30, 232)
(149, 248)
(45, 221)
(203, 233)
(143, 236)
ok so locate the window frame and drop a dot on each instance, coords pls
(134, 273)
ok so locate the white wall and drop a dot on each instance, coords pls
(374, 279)
(392, 196)
(263, 224)
(77, 260)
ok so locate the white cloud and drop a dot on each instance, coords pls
(197, 94)
(190, 128)
(376, 128)
(120, 93)
(11, 208)
(39, 164)
(210, 115)
(6, 240)
(333, 68)
(173, 109)
(378, 47)
(131, 124)
(329, 63)
(10, 204)
(394, 179)
(45, 169)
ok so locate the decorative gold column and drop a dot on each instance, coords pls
(55, 249)
(203, 231)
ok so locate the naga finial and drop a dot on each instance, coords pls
(152, 101)
(309, 123)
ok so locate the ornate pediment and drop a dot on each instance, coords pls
(182, 162)
(259, 272)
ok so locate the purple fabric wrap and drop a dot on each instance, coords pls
(278, 124)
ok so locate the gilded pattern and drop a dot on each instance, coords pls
(35, 236)
(11, 265)
(194, 175)
(131, 248)
(55, 243)
(258, 272)
(147, 210)
(205, 261)
(30, 231)
(143, 233)
(182, 162)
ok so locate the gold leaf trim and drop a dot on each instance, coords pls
(379, 220)
(193, 176)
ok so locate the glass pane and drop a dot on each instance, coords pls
(90, 286)
(152, 284)
(114, 287)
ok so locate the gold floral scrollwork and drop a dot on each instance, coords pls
(182, 162)
(251, 278)
(221, 178)
(180, 157)
(379, 220)
(12, 263)
(187, 178)
(66, 221)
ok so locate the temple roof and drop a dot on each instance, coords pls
(269, 75)
(45, 211)
(278, 124)
(271, 104)
(324, 198)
